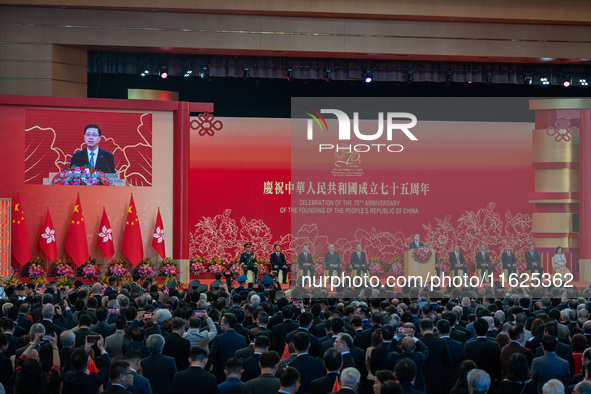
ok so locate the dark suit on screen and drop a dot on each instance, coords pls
(458, 264)
(531, 259)
(359, 262)
(332, 262)
(306, 263)
(481, 261)
(280, 262)
(508, 262)
(104, 161)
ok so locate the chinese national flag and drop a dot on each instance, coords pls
(21, 248)
(336, 387)
(105, 237)
(47, 240)
(158, 238)
(132, 236)
(76, 243)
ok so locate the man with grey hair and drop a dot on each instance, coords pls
(332, 261)
(157, 368)
(48, 312)
(67, 338)
(35, 329)
(553, 386)
(350, 378)
(583, 387)
(478, 381)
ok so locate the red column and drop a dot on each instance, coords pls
(585, 186)
(180, 198)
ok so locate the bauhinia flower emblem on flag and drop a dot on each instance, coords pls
(105, 234)
(48, 235)
(159, 235)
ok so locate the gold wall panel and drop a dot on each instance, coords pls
(553, 242)
(557, 180)
(552, 222)
(546, 149)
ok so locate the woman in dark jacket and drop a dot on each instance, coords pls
(519, 382)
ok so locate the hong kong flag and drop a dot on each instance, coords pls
(105, 237)
(132, 236)
(47, 240)
(158, 237)
(21, 248)
(76, 243)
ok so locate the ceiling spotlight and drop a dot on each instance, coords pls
(204, 72)
(410, 75)
(583, 81)
(327, 76)
(449, 76)
(545, 80)
(245, 72)
(144, 71)
(187, 72)
(527, 79)
(368, 76)
(566, 80)
(163, 72)
(289, 73)
(489, 75)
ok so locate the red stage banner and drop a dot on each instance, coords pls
(21, 249)
(76, 243)
(158, 237)
(47, 241)
(104, 240)
(132, 237)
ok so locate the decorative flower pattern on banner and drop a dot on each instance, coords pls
(105, 234)
(48, 235)
(562, 130)
(221, 237)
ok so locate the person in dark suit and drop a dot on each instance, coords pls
(332, 261)
(438, 356)
(121, 377)
(248, 261)
(157, 368)
(250, 365)
(484, 352)
(456, 353)
(195, 380)
(363, 340)
(563, 350)
(350, 379)
(6, 369)
(111, 288)
(233, 384)
(306, 319)
(306, 262)
(84, 322)
(140, 385)
(457, 262)
(359, 260)
(176, 346)
(517, 336)
(405, 371)
(509, 261)
(418, 353)
(48, 314)
(93, 156)
(224, 346)
(416, 243)
(282, 329)
(532, 258)
(102, 327)
(23, 320)
(290, 381)
(279, 263)
(78, 380)
(483, 261)
(310, 368)
(267, 382)
(333, 361)
(379, 355)
(549, 366)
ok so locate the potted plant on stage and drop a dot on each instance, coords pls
(198, 266)
(64, 273)
(90, 270)
(170, 271)
(35, 270)
(145, 269)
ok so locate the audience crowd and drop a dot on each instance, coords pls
(132, 337)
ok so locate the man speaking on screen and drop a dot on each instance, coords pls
(93, 156)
